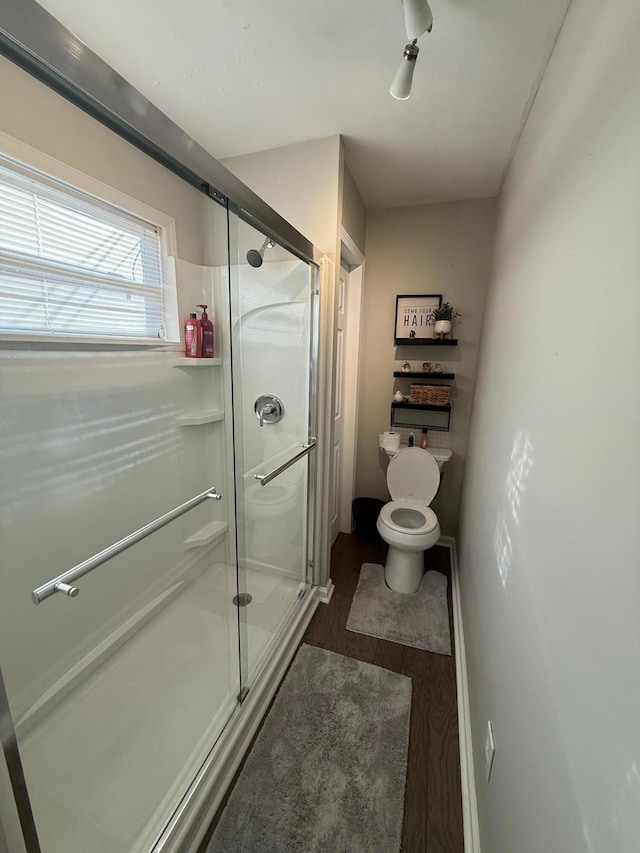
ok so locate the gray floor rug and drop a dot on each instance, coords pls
(328, 770)
(420, 620)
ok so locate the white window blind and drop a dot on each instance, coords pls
(73, 265)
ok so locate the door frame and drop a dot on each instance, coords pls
(354, 259)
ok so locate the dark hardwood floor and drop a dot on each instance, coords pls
(433, 804)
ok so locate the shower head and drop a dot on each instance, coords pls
(256, 256)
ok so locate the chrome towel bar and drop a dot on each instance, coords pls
(267, 478)
(64, 582)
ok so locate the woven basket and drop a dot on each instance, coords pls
(435, 395)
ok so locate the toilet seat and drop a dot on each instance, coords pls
(413, 476)
(406, 523)
(391, 515)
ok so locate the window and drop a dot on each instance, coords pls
(72, 265)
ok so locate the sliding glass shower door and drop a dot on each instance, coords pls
(137, 609)
(273, 343)
(119, 636)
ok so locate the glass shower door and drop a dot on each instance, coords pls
(120, 682)
(273, 362)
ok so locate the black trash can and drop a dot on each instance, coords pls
(365, 515)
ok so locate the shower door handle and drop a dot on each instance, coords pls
(63, 583)
(267, 478)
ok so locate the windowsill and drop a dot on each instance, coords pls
(88, 343)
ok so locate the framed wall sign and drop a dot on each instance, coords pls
(414, 317)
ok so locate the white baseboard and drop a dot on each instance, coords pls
(325, 593)
(469, 800)
(190, 823)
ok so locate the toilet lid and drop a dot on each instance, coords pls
(413, 475)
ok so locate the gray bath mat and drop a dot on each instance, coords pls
(328, 769)
(420, 620)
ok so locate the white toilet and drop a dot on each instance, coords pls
(406, 523)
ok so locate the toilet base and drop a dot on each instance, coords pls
(403, 570)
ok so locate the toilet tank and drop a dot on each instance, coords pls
(440, 454)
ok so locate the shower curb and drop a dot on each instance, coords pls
(189, 825)
(325, 593)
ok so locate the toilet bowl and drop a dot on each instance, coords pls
(407, 523)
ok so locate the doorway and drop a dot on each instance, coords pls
(345, 386)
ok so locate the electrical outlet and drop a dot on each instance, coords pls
(489, 750)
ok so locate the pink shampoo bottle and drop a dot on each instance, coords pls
(207, 333)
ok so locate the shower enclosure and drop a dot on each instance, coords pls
(124, 660)
(156, 514)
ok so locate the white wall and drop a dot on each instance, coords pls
(301, 182)
(550, 541)
(433, 248)
(354, 214)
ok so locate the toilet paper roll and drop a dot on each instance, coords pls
(391, 441)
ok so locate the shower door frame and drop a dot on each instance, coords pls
(35, 41)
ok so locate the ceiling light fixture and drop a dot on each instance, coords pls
(417, 18)
(401, 85)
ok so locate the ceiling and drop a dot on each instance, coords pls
(245, 75)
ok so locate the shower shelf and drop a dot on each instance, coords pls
(206, 535)
(198, 420)
(198, 362)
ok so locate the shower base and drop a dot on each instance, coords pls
(108, 763)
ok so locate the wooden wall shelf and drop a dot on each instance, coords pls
(418, 416)
(426, 342)
(427, 407)
(418, 374)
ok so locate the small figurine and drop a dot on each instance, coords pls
(406, 367)
(398, 397)
(412, 333)
(437, 367)
(426, 367)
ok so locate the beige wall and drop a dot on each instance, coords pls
(550, 540)
(354, 214)
(301, 182)
(437, 248)
(39, 117)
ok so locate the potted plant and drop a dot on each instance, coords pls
(444, 317)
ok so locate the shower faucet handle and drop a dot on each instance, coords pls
(269, 409)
